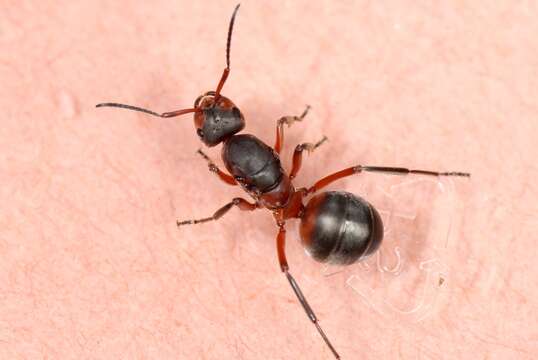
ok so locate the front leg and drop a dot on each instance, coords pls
(228, 179)
(288, 120)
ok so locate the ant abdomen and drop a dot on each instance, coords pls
(340, 228)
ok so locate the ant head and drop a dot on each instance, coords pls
(217, 118)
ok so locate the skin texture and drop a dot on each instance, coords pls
(92, 264)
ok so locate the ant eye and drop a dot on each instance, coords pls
(200, 133)
(236, 112)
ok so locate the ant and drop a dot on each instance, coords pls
(336, 227)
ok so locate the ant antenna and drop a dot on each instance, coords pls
(163, 115)
(195, 109)
(226, 71)
(229, 40)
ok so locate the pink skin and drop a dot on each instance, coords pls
(92, 264)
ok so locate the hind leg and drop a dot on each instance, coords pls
(381, 169)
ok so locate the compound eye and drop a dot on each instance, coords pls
(200, 133)
(236, 112)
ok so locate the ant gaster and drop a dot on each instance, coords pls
(336, 227)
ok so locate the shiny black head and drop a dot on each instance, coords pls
(216, 121)
(216, 117)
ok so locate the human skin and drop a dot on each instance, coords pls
(92, 263)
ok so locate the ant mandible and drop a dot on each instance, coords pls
(336, 227)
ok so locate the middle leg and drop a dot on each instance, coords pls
(298, 155)
(242, 204)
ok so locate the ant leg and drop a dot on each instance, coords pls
(281, 243)
(228, 179)
(298, 155)
(242, 204)
(288, 120)
(382, 169)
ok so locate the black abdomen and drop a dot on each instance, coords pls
(247, 157)
(340, 228)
